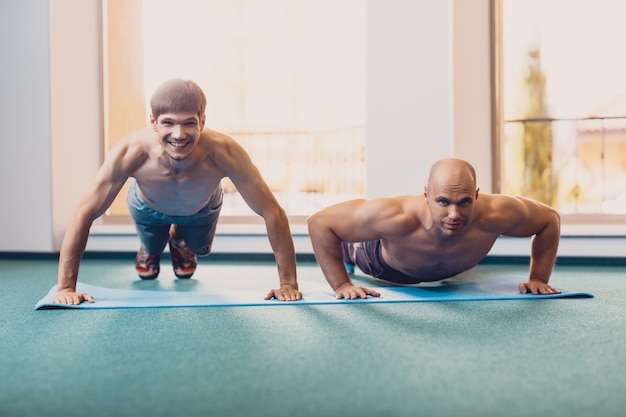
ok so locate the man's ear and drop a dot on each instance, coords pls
(426, 192)
(153, 122)
(477, 189)
(202, 121)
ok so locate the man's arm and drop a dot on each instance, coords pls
(545, 244)
(328, 250)
(236, 164)
(350, 221)
(543, 223)
(281, 241)
(107, 184)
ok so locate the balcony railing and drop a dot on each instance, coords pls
(588, 162)
(306, 170)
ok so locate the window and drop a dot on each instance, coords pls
(285, 78)
(563, 104)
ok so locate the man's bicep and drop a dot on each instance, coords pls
(100, 195)
(353, 221)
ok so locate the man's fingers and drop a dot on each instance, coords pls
(72, 299)
(372, 292)
(284, 295)
(549, 290)
(536, 289)
(353, 293)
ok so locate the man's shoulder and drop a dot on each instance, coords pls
(494, 201)
(142, 138)
(213, 136)
(134, 148)
(498, 210)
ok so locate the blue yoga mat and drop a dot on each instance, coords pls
(492, 288)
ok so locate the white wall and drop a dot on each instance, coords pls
(409, 96)
(25, 170)
(428, 91)
(76, 100)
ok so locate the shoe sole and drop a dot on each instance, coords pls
(148, 277)
(184, 276)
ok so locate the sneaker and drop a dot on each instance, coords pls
(147, 266)
(184, 260)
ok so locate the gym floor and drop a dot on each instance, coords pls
(557, 357)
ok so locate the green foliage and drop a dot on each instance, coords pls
(539, 180)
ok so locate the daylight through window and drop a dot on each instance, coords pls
(285, 78)
(564, 98)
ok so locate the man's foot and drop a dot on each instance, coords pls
(147, 266)
(184, 260)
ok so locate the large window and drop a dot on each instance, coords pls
(563, 104)
(285, 78)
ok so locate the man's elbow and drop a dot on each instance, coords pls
(555, 219)
(310, 221)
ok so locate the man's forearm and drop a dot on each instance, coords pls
(329, 255)
(543, 255)
(68, 274)
(281, 241)
(71, 254)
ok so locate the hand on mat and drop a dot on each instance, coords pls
(71, 297)
(537, 287)
(350, 291)
(285, 293)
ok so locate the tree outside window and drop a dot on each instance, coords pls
(564, 106)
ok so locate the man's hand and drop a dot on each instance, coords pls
(285, 293)
(350, 291)
(71, 297)
(537, 287)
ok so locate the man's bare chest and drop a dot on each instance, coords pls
(177, 193)
(432, 261)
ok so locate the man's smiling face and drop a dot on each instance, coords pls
(178, 133)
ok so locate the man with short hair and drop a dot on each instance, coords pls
(176, 167)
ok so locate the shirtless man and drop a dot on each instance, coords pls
(450, 229)
(175, 197)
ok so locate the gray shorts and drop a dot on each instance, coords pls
(153, 227)
(369, 258)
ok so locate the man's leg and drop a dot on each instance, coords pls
(184, 261)
(153, 231)
(153, 240)
(194, 236)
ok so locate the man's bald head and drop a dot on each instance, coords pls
(452, 170)
(451, 174)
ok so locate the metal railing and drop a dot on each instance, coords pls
(306, 170)
(588, 162)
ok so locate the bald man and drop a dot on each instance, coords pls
(422, 238)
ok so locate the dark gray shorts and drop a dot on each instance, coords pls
(153, 227)
(368, 257)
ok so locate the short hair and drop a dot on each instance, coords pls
(178, 95)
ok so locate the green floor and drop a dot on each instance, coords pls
(563, 357)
